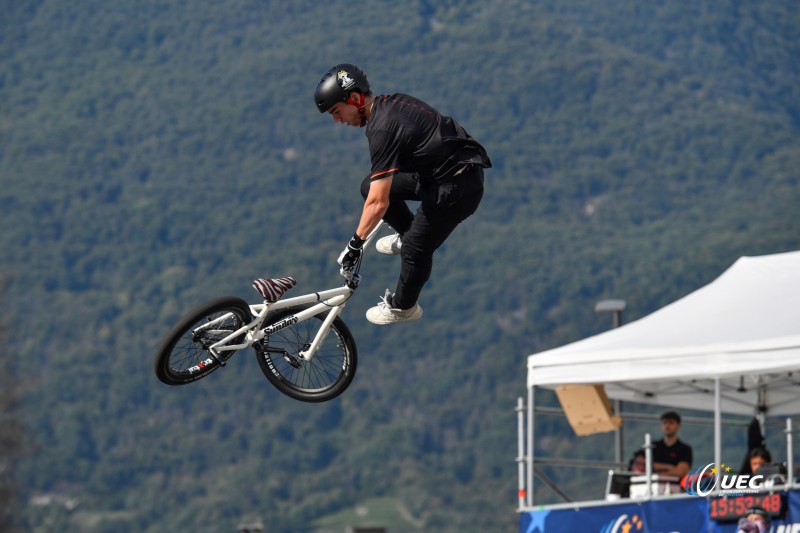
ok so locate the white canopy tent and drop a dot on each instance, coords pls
(732, 346)
(743, 328)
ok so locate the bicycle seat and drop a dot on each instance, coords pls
(273, 288)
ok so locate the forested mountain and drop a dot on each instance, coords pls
(156, 154)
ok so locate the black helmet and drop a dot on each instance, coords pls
(337, 84)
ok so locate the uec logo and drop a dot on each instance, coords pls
(706, 480)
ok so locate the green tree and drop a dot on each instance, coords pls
(12, 434)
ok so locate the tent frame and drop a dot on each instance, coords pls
(526, 458)
(735, 340)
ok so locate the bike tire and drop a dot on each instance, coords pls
(183, 356)
(325, 376)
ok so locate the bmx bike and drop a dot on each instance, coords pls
(302, 345)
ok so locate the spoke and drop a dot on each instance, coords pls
(191, 350)
(322, 371)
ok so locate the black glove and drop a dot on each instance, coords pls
(351, 253)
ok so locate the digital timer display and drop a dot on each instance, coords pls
(734, 507)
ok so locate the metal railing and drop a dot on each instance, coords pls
(526, 463)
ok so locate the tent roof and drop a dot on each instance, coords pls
(743, 328)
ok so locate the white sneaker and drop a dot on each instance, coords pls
(389, 245)
(383, 314)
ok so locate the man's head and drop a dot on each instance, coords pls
(755, 520)
(758, 458)
(638, 462)
(670, 424)
(343, 92)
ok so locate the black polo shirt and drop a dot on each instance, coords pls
(672, 455)
(407, 135)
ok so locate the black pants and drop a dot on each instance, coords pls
(442, 208)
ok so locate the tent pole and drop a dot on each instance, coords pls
(522, 495)
(761, 414)
(529, 458)
(789, 453)
(717, 424)
(648, 464)
(619, 454)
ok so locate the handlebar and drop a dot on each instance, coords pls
(373, 233)
(351, 274)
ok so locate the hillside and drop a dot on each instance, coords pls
(157, 154)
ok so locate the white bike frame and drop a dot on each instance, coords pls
(333, 300)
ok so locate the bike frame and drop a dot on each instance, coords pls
(333, 300)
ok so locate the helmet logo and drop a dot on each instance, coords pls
(344, 79)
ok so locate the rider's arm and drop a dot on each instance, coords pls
(375, 206)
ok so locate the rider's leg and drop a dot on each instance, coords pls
(437, 217)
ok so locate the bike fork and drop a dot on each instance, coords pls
(309, 353)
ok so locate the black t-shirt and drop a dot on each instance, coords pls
(407, 135)
(672, 455)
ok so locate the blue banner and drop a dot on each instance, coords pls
(677, 515)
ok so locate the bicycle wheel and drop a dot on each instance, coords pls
(325, 376)
(183, 356)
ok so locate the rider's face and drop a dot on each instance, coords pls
(346, 114)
